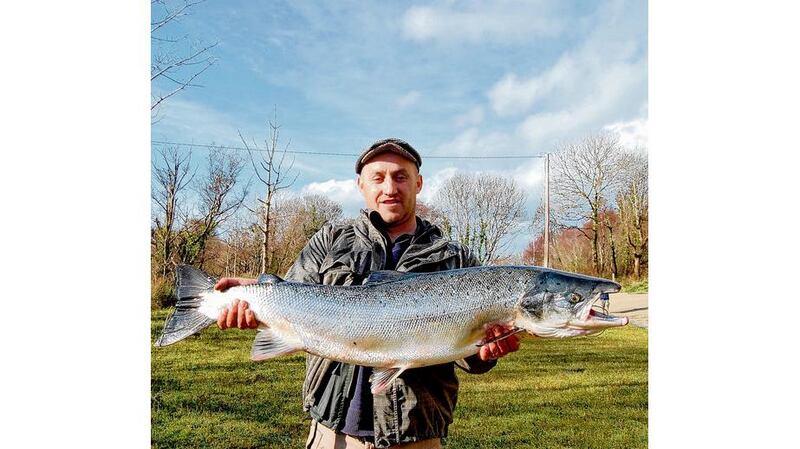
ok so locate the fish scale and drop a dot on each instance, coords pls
(397, 321)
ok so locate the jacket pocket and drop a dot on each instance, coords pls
(426, 398)
(316, 369)
(325, 397)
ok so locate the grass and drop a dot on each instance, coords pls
(633, 285)
(576, 393)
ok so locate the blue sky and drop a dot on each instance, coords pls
(451, 78)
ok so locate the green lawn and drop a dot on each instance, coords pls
(576, 393)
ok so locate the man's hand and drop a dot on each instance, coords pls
(238, 314)
(493, 351)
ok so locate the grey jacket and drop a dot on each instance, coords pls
(420, 403)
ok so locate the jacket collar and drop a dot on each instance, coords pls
(425, 232)
(428, 244)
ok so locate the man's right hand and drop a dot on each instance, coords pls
(238, 314)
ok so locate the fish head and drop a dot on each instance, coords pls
(559, 304)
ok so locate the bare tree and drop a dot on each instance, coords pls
(481, 211)
(584, 175)
(632, 201)
(242, 243)
(610, 219)
(273, 175)
(430, 213)
(571, 251)
(294, 221)
(218, 200)
(170, 177)
(318, 210)
(175, 61)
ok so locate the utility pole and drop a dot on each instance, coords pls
(547, 210)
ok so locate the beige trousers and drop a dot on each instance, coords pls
(321, 437)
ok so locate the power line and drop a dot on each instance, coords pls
(326, 153)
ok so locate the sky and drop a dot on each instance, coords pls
(451, 78)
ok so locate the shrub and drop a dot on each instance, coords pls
(162, 293)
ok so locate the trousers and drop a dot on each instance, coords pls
(321, 437)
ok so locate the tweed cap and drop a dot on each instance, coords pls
(393, 145)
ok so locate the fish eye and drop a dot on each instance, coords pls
(575, 298)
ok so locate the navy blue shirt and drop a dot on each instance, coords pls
(358, 421)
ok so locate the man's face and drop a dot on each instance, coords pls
(390, 184)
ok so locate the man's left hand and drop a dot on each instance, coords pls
(500, 348)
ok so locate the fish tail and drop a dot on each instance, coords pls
(186, 319)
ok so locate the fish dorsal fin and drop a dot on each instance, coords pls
(377, 277)
(381, 378)
(268, 345)
(269, 279)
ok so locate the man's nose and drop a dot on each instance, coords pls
(389, 187)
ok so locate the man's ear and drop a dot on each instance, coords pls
(419, 183)
(358, 183)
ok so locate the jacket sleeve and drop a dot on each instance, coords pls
(473, 364)
(306, 268)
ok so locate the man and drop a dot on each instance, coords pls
(417, 408)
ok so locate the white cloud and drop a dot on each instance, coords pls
(408, 99)
(603, 80)
(530, 176)
(432, 184)
(544, 127)
(618, 93)
(577, 77)
(632, 134)
(512, 95)
(190, 121)
(473, 117)
(495, 21)
(344, 192)
(471, 142)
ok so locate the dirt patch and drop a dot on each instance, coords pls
(631, 305)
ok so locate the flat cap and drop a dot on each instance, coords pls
(397, 146)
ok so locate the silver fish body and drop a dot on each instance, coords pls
(398, 321)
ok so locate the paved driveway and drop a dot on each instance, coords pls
(631, 305)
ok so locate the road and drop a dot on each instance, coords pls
(631, 305)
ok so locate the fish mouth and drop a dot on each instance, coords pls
(590, 318)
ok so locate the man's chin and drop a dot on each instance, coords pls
(390, 215)
(389, 218)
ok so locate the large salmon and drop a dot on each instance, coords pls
(397, 321)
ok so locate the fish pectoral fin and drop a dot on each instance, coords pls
(513, 331)
(381, 378)
(268, 345)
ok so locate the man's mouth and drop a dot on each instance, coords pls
(390, 202)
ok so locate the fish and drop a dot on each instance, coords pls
(397, 320)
